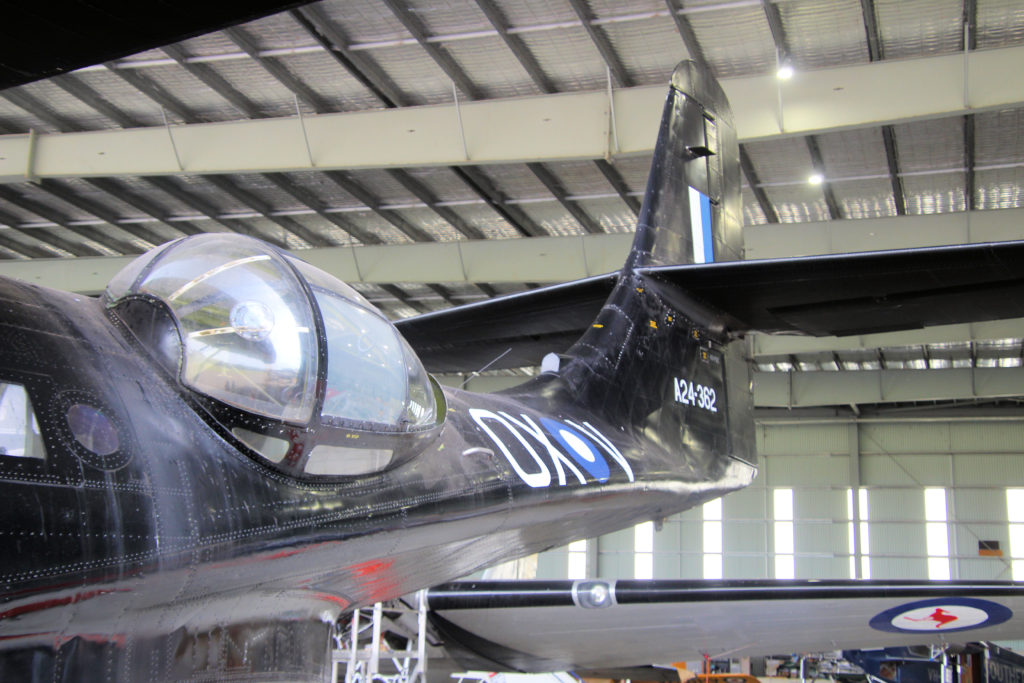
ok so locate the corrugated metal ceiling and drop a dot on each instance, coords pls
(213, 78)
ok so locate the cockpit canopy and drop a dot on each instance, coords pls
(275, 337)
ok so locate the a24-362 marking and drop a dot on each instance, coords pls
(697, 395)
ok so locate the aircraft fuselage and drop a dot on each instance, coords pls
(152, 516)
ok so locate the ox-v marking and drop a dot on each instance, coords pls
(579, 446)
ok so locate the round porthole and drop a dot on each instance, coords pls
(93, 430)
(95, 435)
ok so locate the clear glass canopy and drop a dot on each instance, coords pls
(248, 328)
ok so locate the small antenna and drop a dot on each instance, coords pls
(477, 373)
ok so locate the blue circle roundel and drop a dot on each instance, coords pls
(941, 614)
(579, 447)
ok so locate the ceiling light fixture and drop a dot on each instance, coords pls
(816, 179)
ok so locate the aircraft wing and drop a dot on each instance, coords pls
(862, 293)
(509, 331)
(538, 626)
(817, 295)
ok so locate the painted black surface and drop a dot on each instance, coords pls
(861, 293)
(839, 294)
(524, 327)
(54, 39)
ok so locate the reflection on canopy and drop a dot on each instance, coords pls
(248, 328)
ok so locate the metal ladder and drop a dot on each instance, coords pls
(363, 659)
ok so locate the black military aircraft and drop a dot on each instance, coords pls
(209, 464)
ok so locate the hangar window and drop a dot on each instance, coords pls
(19, 430)
(936, 533)
(1015, 516)
(782, 508)
(577, 560)
(643, 551)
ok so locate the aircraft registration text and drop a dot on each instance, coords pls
(697, 395)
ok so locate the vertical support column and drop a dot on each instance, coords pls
(353, 650)
(374, 664)
(419, 674)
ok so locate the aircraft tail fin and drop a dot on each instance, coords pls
(654, 358)
(692, 204)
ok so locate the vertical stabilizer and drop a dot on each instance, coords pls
(691, 209)
(655, 360)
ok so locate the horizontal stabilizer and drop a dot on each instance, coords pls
(507, 332)
(861, 293)
(538, 626)
(839, 294)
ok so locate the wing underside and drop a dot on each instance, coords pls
(816, 295)
(538, 626)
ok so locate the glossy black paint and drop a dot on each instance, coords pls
(178, 552)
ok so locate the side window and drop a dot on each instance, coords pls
(342, 460)
(19, 431)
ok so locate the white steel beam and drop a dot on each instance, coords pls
(538, 259)
(862, 387)
(560, 259)
(805, 389)
(543, 128)
(783, 240)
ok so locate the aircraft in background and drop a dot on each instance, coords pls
(207, 466)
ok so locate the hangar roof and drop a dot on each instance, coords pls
(373, 56)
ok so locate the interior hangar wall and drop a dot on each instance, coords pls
(974, 460)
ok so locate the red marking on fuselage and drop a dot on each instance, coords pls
(940, 616)
(56, 602)
(381, 584)
(371, 567)
(341, 602)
